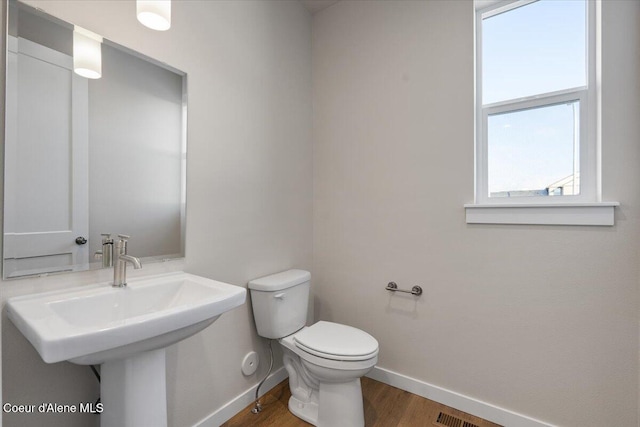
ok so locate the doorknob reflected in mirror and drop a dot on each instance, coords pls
(81, 240)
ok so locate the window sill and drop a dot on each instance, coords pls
(544, 214)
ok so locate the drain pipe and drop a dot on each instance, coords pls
(95, 372)
(258, 408)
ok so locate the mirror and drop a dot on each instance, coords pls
(84, 156)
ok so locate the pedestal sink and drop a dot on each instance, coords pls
(126, 330)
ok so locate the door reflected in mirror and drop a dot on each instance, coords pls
(85, 157)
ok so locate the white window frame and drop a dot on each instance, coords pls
(540, 209)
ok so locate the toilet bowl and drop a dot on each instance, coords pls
(325, 387)
(325, 361)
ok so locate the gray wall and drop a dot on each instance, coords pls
(135, 154)
(540, 320)
(249, 188)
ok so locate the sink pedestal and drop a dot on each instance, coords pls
(134, 391)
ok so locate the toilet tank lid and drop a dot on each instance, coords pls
(279, 281)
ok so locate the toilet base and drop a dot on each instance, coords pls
(343, 403)
(305, 411)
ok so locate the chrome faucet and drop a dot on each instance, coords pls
(106, 253)
(121, 260)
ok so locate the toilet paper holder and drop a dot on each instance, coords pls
(393, 287)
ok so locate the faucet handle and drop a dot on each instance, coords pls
(121, 246)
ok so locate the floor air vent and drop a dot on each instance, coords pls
(448, 420)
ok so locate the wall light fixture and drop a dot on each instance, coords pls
(87, 53)
(155, 14)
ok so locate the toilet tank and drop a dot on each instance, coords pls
(280, 302)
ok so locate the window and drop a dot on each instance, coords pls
(536, 104)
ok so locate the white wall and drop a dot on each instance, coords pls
(540, 320)
(249, 188)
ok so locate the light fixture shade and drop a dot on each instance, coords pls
(87, 53)
(155, 14)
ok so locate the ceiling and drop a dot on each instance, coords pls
(317, 5)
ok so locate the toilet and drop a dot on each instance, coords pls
(325, 360)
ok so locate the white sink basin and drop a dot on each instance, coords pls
(99, 323)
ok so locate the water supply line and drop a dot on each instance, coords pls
(258, 408)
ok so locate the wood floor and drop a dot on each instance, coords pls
(384, 406)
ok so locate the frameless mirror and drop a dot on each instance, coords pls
(84, 156)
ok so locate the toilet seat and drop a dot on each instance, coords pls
(334, 341)
(335, 363)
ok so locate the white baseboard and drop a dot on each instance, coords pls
(238, 403)
(455, 400)
(450, 398)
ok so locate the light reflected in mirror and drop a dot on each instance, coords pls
(85, 157)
